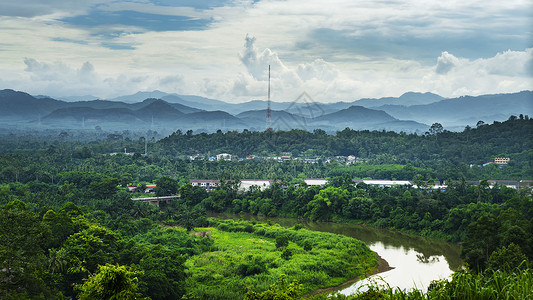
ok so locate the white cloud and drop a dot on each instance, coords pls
(67, 59)
(507, 71)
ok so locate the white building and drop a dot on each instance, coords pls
(315, 181)
(262, 184)
(383, 183)
(223, 156)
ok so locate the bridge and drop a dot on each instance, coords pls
(155, 200)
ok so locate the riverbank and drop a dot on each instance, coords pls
(383, 266)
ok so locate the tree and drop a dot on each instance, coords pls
(507, 258)
(111, 282)
(164, 274)
(481, 240)
(166, 186)
(436, 129)
(22, 259)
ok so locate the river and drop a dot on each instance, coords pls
(416, 261)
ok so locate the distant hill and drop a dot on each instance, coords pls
(356, 114)
(23, 106)
(77, 98)
(407, 99)
(160, 110)
(411, 112)
(139, 96)
(212, 121)
(466, 110)
(358, 117)
(77, 117)
(281, 120)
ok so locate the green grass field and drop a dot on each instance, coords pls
(246, 258)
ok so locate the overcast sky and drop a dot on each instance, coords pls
(334, 50)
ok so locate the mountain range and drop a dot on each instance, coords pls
(411, 112)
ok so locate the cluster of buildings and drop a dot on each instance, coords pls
(284, 157)
(149, 188)
(500, 161)
(246, 184)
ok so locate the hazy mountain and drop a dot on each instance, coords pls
(99, 104)
(77, 117)
(77, 98)
(185, 109)
(356, 114)
(466, 110)
(139, 96)
(280, 120)
(160, 110)
(407, 99)
(211, 121)
(409, 112)
(198, 102)
(23, 106)
(358, 117)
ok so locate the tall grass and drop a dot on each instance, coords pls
(516, 285)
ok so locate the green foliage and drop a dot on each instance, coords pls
(164, 274)
(65, 209)
(286, 254)
(282, 241)
(279, 291)
(517, 284)
(166, 186)
(226, 273)
(307, 246)
(111, 282)
(22, 260)
(507, 259)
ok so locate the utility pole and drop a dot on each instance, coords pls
(268, 116)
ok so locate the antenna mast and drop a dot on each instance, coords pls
(269, 119)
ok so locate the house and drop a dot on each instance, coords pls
(208, 184)
(223, 156)
(501, 160)
(150, 188)
(315, 181)
(262, 184)
(132, 188)
(508, 183)
(383, 183)
(525, 183)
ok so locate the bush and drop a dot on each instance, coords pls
(282, 241)
(307, 245)
(286, 254)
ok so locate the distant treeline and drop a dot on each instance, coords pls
(473, 145)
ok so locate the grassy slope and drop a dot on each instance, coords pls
(332, 260)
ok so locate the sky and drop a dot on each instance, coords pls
(334, 50)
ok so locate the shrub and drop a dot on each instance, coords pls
(282, 241)
(286, 254)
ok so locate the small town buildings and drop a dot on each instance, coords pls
(208, 184)
(315, 181)
(223, 156)
(150, 188)
(525, 183)
(501, 160)
(262, 184)
(383, 183)
(508, 183)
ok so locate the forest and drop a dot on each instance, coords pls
(69, 227)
